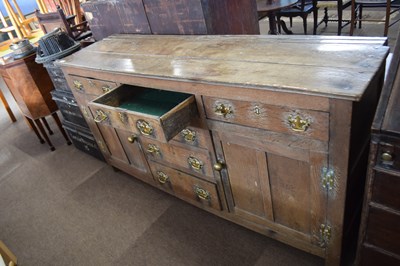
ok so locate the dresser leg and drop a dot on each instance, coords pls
(30, 122)
(41, 128)
(47, 125)
(58, 122)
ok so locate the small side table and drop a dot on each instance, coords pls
(30, 85)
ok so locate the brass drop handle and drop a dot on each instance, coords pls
(144, 127)
(153, 149)
(132, 138)
(195, 163)
(222, 109)
(162, 177)
(202, 194)
(299, 124)
(100, 116)
(78, 85)
(387, 157)
(188, 135)
(218, 166)
(106, 88)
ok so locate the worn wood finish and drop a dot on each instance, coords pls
(286, 184)
(379, 230)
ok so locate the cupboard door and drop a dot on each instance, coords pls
(133, 150)
(275, 186)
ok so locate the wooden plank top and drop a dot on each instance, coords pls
(338, 67)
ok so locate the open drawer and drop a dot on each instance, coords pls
(157, 114)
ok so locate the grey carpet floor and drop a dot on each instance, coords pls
(67, 208)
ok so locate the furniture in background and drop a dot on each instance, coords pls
(302, 9)
(50, 21)
(357, 16)
(30, 85)
(339, 5)
(268, 149)
(8, 109)
(269, 8)
(107, 17)
(379, 230)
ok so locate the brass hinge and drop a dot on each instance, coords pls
(326, 232)
(328, 178)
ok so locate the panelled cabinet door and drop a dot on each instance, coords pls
(279, 187)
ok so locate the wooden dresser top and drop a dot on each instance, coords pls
(337, 67)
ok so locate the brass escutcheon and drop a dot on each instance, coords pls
(100, 116)
(188, 135)
(298, 123)
(78, 85)
(123, 117)
(257, 110)
(162, 177)
(195, 163)
(106, 88)
(202, 193)
(222, 109)
(153, 149)
(144, 127)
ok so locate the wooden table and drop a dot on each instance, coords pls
(269, 7)
(30, 85)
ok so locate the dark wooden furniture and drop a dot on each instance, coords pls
(171, 17)
(50, 21)
(30, 85)
(339, 5)
(380, 231)
(237, 131)
(8, 109)
(73, 120)
(302, 9)
(269, 8)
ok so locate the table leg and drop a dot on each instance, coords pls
(47, 125)
(30, 122)
(58, 122)
(5, 103)
(272, 23)
(41, 128)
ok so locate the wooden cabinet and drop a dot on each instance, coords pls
(277, 142)
(380, 232)
(171, 17)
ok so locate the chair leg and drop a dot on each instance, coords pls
(278, 20)
(41, 128)
(387, 18)
(291, 22)
(353, 20)
(325, 19)
(360, 15)
(315, 13)
(340, 17)
(47, 126)
(305, 25)
(58, 122)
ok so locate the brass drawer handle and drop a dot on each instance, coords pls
(222, 109)
(132, 138)
(106, 88)
(202, 193)
(78, 85)
(100, 116)
(387, 157)
(195, 163)
(298, 123)
(188, 135)
(153, 149)
(162, 177)
(144, 127)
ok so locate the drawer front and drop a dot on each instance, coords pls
(388, 156)
(386, 190)
(373, 257)
(90, 86)
(185, 186)
(307, 123)
(69, 109)
(194, 136)
(383, 230)
(111, 108)
(191, 160)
